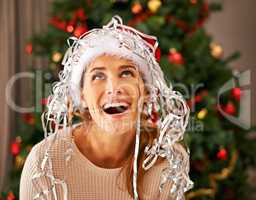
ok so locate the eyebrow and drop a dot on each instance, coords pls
(120, 67)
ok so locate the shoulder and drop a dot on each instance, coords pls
(152, 181)
(32, 172)
(56, 143)
(153, 177)
(55, 139)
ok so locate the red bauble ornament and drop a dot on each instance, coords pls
(10, 196)
(29, 118)
(222, 154)
(79, 30)
(198, 98)
(175, 58)
(15, 148)
(236, 93)
(230, 108)
(29, 48)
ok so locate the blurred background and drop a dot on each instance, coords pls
(208, 47)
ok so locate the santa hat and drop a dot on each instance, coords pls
(113, 39)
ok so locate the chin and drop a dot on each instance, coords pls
(116, 123)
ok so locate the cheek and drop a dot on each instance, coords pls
(135, 89)
(91, 93)
(91, 96)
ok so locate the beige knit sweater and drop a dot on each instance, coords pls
(85, 181)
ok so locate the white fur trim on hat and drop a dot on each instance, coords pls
(98, 46)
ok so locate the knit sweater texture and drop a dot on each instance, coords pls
(84, 180)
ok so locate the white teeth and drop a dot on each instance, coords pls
(107, 105)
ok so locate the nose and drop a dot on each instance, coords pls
(113, 87)
(114, 92)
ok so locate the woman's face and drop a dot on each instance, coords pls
(112, 88)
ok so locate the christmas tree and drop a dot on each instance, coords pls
(220, 149)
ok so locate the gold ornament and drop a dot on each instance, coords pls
(154, 5)
(202, 113)
(56, 57)
(136, 8)
(19, 162)
(216, 50)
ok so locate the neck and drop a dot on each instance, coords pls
(104, 149)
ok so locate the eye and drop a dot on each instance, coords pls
(98, 76)
(127, 73)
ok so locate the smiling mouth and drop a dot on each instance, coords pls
(115, 109)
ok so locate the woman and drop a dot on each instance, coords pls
(130, 121)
